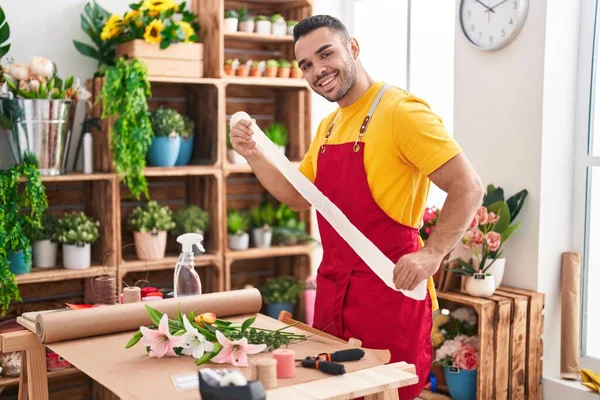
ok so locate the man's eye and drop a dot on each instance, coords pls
(326, 54)
(306, 66)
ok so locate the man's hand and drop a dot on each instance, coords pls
(413, 268)
(241, 138)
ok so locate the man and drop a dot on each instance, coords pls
(374, 157)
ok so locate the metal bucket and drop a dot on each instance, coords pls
(41, 128)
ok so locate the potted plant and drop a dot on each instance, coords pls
(246, 22)
(244, 68)
(278, 134)
(284, 69)
(263, 25)
(290, 26)
(290, 230)
(237, 230)
(167, 125)
(281, 294)
(231, 21)
(257, 68)
(228, 68)
(76, 232)
(191, 219)
(295, 71)
(278, 25)
(263, 219)
(186, 149)
(271, 68)
(233, 156)
(150, 224)
(45, 242)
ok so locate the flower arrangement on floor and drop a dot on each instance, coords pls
(207, 338)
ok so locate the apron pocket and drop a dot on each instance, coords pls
(324, 303)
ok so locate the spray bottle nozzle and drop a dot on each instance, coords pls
(187, 240)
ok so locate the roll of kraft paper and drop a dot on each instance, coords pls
(76, 324)
(382, 266)
(570, 302)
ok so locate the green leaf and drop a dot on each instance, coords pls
(86, 50)
(459, 271)
(508, 232)
(247, 323)
(191, 316)
(155, 315)
(465, 265)
(515, 203)
(4, 32)
(500, 208)
(494, 195)
(136, 338)
(4, 50)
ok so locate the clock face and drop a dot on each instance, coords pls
(492, 24)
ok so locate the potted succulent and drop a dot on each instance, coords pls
(281, 294)
(284, 69)
(295, 71)
(231, 21)
(191, 219)
(290, 26)
(45, 242)
(257, 68)
(187, 142)
(150, 224)
(263, 25)
(237, 230)
(290, 230)
(278, 134)
(244, 68)
(76, 232)
(167, 125)
(271, 68)
(246, 22)
(278, 25)
(228, 67)
(263, 219)
(233, 156)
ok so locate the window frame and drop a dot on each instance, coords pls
(589, 56)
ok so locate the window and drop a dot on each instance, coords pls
(586, 204)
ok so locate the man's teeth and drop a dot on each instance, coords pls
(327, 81)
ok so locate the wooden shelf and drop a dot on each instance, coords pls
(76, 177)
(176, 79)
(8, 381)
(273, 251)
(188, 170)
(261, 81)
(256, 37)
(134, 265)
(40, 275)
(230, 168)
(282, 4)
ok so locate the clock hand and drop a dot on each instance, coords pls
(502, 2)
(489, 9)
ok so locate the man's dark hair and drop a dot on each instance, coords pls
(309, 24)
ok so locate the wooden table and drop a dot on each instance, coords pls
(375, 383)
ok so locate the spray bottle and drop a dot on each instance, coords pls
(186, 281)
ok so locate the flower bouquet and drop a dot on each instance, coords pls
(430, 219)
(207, 338)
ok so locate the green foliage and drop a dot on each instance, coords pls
(243, 13)
(515, 202)
(228, 137)
(277, 133)
(284, 64)
(4, 34)
(76, 227)
(284, 289)
(262, 18)
(263, 216)
(124, 95)
(47, 231)
(292, 22)
(289, 230)
(188, 127)
(190, 219)
(231, 14)
(237, 222)
(151, 216)
(272, 64)
(18, 210)
(93, 20)
(165, 121)
(54, 88)
(276, 17)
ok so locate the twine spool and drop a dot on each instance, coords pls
(131, 294)
(266, 372)
(105, 290)
(286, 364)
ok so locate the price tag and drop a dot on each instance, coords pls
(453, 369)
(478, 276)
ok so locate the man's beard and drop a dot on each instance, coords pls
(349, 78)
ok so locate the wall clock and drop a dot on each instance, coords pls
(492, 24)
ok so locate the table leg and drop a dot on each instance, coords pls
(390, 394)
(23, 377)
(37, 375)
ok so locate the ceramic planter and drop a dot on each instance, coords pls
(497, 270)
(235, 158)
(44, 253)
(263, 27)
(247, 26)
(279, 28)
(290, 30)
(185, 151)
(480, 285)
(238, 242)
(231, 24)
(17, 264)
(77, 256)
(164, 150)
(262, 237)
(273, 309)
(150, 245)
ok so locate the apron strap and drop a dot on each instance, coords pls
(365, 124)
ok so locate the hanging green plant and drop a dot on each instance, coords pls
(124, 95)
(14, 221)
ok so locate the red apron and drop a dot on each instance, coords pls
(351, 301)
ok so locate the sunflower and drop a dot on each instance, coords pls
(132, 15)
(111, 28)
(153, 30)
(187, 30)
(155, 7)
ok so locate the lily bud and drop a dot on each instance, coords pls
(208, 318)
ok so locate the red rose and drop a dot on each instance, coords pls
(466, 357)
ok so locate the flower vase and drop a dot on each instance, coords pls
(17, 263)
(497, 270)
(164, 150)
(480, 285)
(462, 383)
(309, 305)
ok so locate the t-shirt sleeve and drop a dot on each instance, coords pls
(420, 137)
(306, 166)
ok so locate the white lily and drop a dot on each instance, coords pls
(195, 344)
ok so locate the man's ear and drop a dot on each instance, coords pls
(354, 48)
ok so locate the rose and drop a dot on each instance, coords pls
(493, 218)
(482, 215)
(18, 71)
(466, 357)
(493, 240)
(472, 238)
(474, 223)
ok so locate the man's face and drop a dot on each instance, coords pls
(326, 62)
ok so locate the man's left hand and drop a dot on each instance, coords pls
(413, 268)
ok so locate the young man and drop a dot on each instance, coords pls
(374, 157)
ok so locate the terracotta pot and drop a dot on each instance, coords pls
(283, 72)
(150, 246)
(242, 71)
(296, 73)
(228, 70)
(255, 72)
(271, 72)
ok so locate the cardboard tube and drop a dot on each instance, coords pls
(570, 304)
(76, 324)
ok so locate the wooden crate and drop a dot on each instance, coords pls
(178, 60)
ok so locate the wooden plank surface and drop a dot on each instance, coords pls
(273, 251)
(41, 275)
(256, 37)
(264, 81)
(502, 363)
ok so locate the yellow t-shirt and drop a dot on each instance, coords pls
(405, 142)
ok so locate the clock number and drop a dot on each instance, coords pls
(503, 32)
(515, 5)
(511, 21)
(491, 39)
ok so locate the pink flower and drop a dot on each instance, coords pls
(428, 230)
(429, 215)
(472, 238)
(474, 223)
(161, 342)
(236, 351)
(493, 218)
(493, 240)
(466, 357)
(482, 215)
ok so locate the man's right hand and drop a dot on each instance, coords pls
(241, 138)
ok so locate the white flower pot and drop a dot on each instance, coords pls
(44, 253)
(481, 286)
(262, 237)
(235, 158)
(290, 30)
(263, 27)
(77, 256)
(238, 242)
(497, 270)
(247, 26)
(279, 28)
(231, 24)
